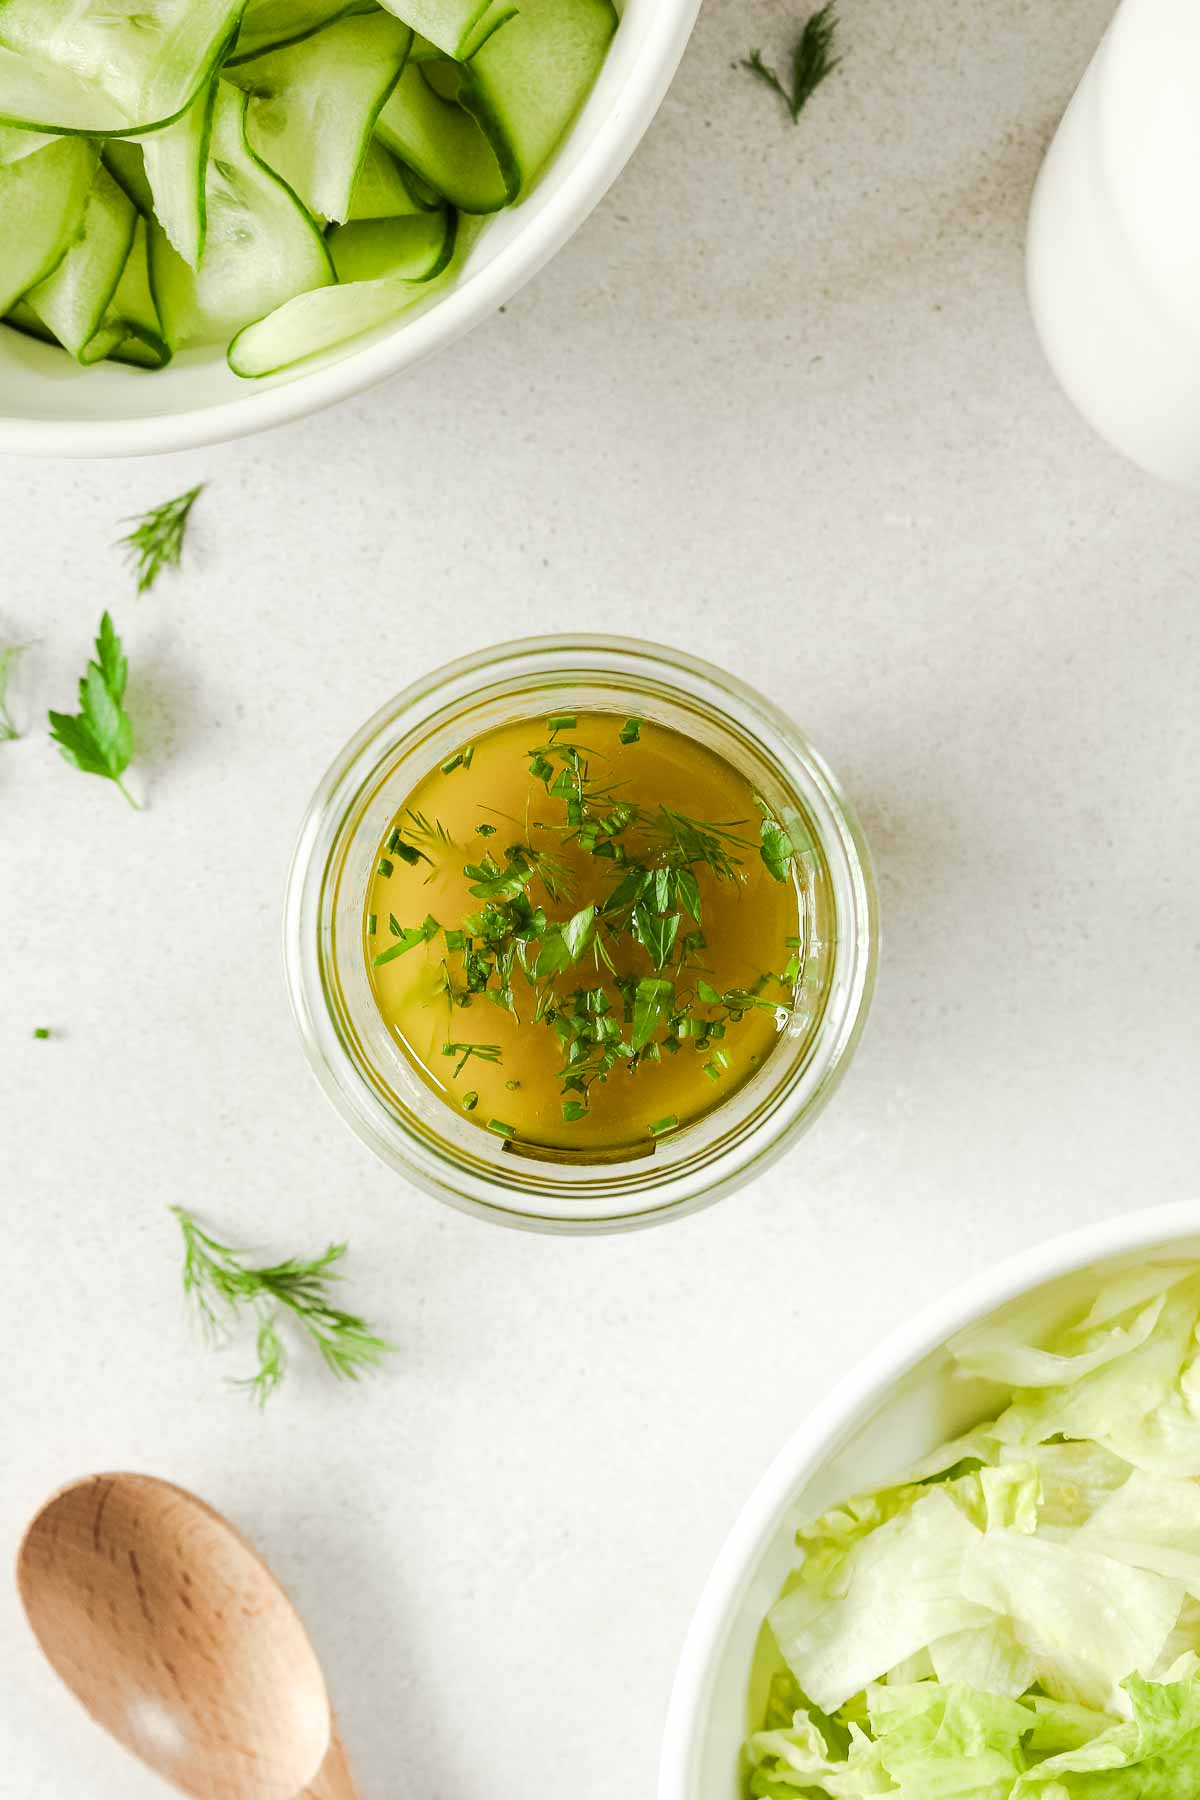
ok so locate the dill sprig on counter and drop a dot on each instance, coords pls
(813, 60)
(563, 972)
(218, 1279)
(156, 541)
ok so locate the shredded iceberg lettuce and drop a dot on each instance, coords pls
(1018, 1617)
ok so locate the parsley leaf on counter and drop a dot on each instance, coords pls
(812, 61)
(218, 1279)
(156, 541)
(99, 739)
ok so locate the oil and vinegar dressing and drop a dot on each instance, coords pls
(585, 931)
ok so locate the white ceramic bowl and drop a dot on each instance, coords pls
(898, 1404)
(48, 407)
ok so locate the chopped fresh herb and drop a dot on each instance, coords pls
(631, 731)
(561, 722)
(406, 939)
(681, 842)
(661, 1125)
(485, 1053)
(386, 868)
(573, 1111)
(451, 763)
(656, 932)
(812, 60)
(470, 1101)
(408, 853)
(431, 831)
(8, 655)
(564, 944)
(156, 541)
(43, 1032)
(219, 1280)
(501, 1129)
(99, 739)
(372, 924)
(485, 831)
(653, 1000)
(777, 848)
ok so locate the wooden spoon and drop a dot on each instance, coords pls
(178, 1639)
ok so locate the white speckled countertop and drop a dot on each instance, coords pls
(779, 401)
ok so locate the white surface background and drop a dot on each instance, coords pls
(780, 402)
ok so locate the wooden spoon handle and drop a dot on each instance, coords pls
(333, 1780)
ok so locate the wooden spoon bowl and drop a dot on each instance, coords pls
(179, 1641)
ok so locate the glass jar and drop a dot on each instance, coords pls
(365, 1072)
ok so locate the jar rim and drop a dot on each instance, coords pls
(543, 1195)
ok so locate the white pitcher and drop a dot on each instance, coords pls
(1114, 240)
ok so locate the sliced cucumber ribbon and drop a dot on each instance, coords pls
(71, 67)
(270, 24)
(74, 299)
(314, 103)
(312, 323)
(42, 202)
(300, 164)
(261, 248)
(457, 27)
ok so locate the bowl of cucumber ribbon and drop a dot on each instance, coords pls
(216, 215)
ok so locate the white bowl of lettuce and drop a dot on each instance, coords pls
(216, 215)
(974, 1573)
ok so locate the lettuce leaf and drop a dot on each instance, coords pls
(1016, 1617)
(1155, 1756)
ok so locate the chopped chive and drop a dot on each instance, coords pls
(501, 1129)
(573, 1110)
(408, 853)
(452, 763)
(712, 1071)
(406, 940)
(394, 840)
(631, 731)
(468, 756)
(456, 940)
(385, 868)
(42, 1031)
(661, 1125)
(372, 924)
(793, 943)
(561, 722)
(470, 1101)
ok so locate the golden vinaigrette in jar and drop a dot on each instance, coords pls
(585, 931)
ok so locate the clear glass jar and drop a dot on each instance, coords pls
(366, 1074)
